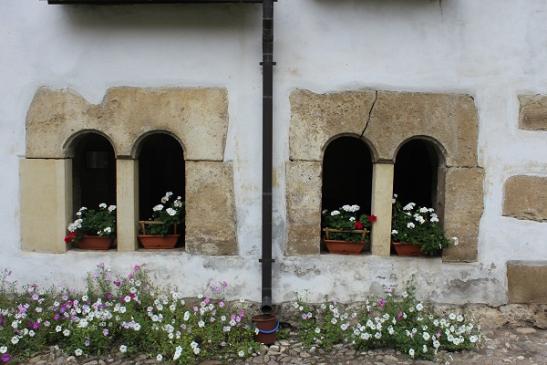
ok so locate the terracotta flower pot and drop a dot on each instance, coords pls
(152, 241)
(95, 243)
(407, 249)
(267, 325)
(345, 247)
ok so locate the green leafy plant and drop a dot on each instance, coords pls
(100, 222)
(347, 219)
(402, 323)
(418, 226)
(166, 215)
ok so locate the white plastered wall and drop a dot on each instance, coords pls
(490, 49)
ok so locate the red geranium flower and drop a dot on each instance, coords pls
(359, 225)
(372, 218)
(70, 237)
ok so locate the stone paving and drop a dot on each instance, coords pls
(511, 346)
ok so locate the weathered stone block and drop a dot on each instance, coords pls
(526, 198)
(316, 118)
(196, 116)
(450, 119)
(463, 211)
(303, 207)
(533, 112)
(127, 201)
(210, 208)
(526, 282)
(46, 200)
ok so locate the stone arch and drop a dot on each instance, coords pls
(372, 149)
(70, 143)
(137, 145)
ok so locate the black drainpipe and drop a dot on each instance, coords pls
(267, 164)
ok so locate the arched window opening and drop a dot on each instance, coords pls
(93, 171)
(161, 170)
(347, 175)
(417, 170)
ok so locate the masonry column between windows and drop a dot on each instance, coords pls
(127, 193)
(382, 194)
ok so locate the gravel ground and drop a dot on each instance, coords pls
(518, 346)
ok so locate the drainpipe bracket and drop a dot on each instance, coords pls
(273, 63)
(266, 260)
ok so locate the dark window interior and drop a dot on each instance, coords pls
(161, 169)
(94, 172)
(416, 173)
(347, 174)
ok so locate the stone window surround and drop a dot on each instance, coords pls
(196, 116)
(385, 120)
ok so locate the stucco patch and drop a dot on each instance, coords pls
(463, 211)
(303, 207)
(210, 212)
(533, 112)
(526, 282)
(199, 117)
(526, 198)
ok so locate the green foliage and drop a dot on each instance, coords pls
(401, 323)
(419, 226)
(347, 219)
(167, 214)
(123, 314)
(100, 222)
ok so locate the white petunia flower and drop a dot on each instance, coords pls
(473, 339)
(15, 340)
(411, 353)
(3, 350)
(123, 349)
(159, 358)
(66, 333)
(78, 352)
(178, 352)
(241, 353)
(419, 307)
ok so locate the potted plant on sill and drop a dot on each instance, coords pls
(160, 232)
(416, 231)
(93, 229)
(345, 231)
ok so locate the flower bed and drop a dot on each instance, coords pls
(126, 314)
(404, 324)
(129, 316)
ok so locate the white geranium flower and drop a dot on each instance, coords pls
(352, 219)
(355, 208)
(434, 220)
(172, 212)
(157, 208)
(107, 230)
(423, 210)
(409, 206)
(346, 208)
(394, 232)
(123, 349)
(78, 352)
(103, 205)
(169, 194)
(111, 208)
(177, 204)
(410, 225)
(335, 213)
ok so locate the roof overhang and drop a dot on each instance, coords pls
(131, 2)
